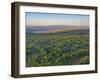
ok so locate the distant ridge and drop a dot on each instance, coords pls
(53, 28)
(70, 32)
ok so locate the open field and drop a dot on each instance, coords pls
(66, 48)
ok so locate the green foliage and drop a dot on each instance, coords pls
(55, 49)
(84, 60)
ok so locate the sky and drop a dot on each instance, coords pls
(38, 19)
(54, 21)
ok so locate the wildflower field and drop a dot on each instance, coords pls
(55, 49)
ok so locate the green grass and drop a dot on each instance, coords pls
(56, 49)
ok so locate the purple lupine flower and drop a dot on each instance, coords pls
(46, 49)
(38, 57)
(66, 49)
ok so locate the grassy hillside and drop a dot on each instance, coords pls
(53, 49)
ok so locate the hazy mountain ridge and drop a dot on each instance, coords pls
(53, 28)
(70, 32)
